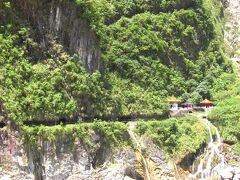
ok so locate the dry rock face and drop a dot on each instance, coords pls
(12, 159)
(63, 20)
(67, 160)
(230, 173)
(232, 41)
(232, 29)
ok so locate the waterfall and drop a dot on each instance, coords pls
(58, 19)
(139, 148)
(206, 168)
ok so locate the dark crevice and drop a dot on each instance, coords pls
(132, 173)
(187, 162)
(2, 124)
(100, 156)
(124, 119)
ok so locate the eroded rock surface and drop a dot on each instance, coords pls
(232, 29)
(63, 159)
(63, 20)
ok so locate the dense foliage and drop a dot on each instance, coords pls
(178, 137)
(170, 46)
(110, 134)
(226, 115)
(151, 50)
(43, 91)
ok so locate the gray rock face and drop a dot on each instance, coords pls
(232, 29)
(236, 177)
(159, 158)
(232, 173)
(226, 174)
(63, 159)
(63, 20)
(12, 160)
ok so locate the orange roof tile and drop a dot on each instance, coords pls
(206, 101)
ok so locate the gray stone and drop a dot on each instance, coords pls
(127, 178)
(226, 174)
(236, 177)
(63, 20)
(57, 162)
(237, 170)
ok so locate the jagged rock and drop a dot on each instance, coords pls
(63, 20)
(132, 173)
(127, 178)
(62, 163)
(237, 170)
(160, 159)
(226, 174)
(231, 35)
(236, 177)
(58, 160)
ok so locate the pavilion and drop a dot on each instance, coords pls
(187, 105)
(173, 103)
(206, 103)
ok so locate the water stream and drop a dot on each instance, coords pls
(137, 142)
(213, 161)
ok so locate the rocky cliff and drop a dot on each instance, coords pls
(62, 20)
(232, 29)
(65, 158)
(184, 38)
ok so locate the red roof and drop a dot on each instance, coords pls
(206, 101)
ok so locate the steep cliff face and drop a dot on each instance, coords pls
(138, 83)
(232, 29)
(62, 20)
(65, 158)
(154, 48)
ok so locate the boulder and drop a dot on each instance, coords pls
(236, 177)
(128, 178)
(226, 174)
(237, 170)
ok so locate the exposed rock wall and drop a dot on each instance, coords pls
(232, 29)
(63, 159)
(13, 160)
(63, 20)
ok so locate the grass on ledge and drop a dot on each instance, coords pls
(177, 137)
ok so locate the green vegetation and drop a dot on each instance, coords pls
(178, 137)
(112, 134)
(44, 91)
(57, 86)
(170, 46)
(151, 50)
(236, 149)
(226, 115)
